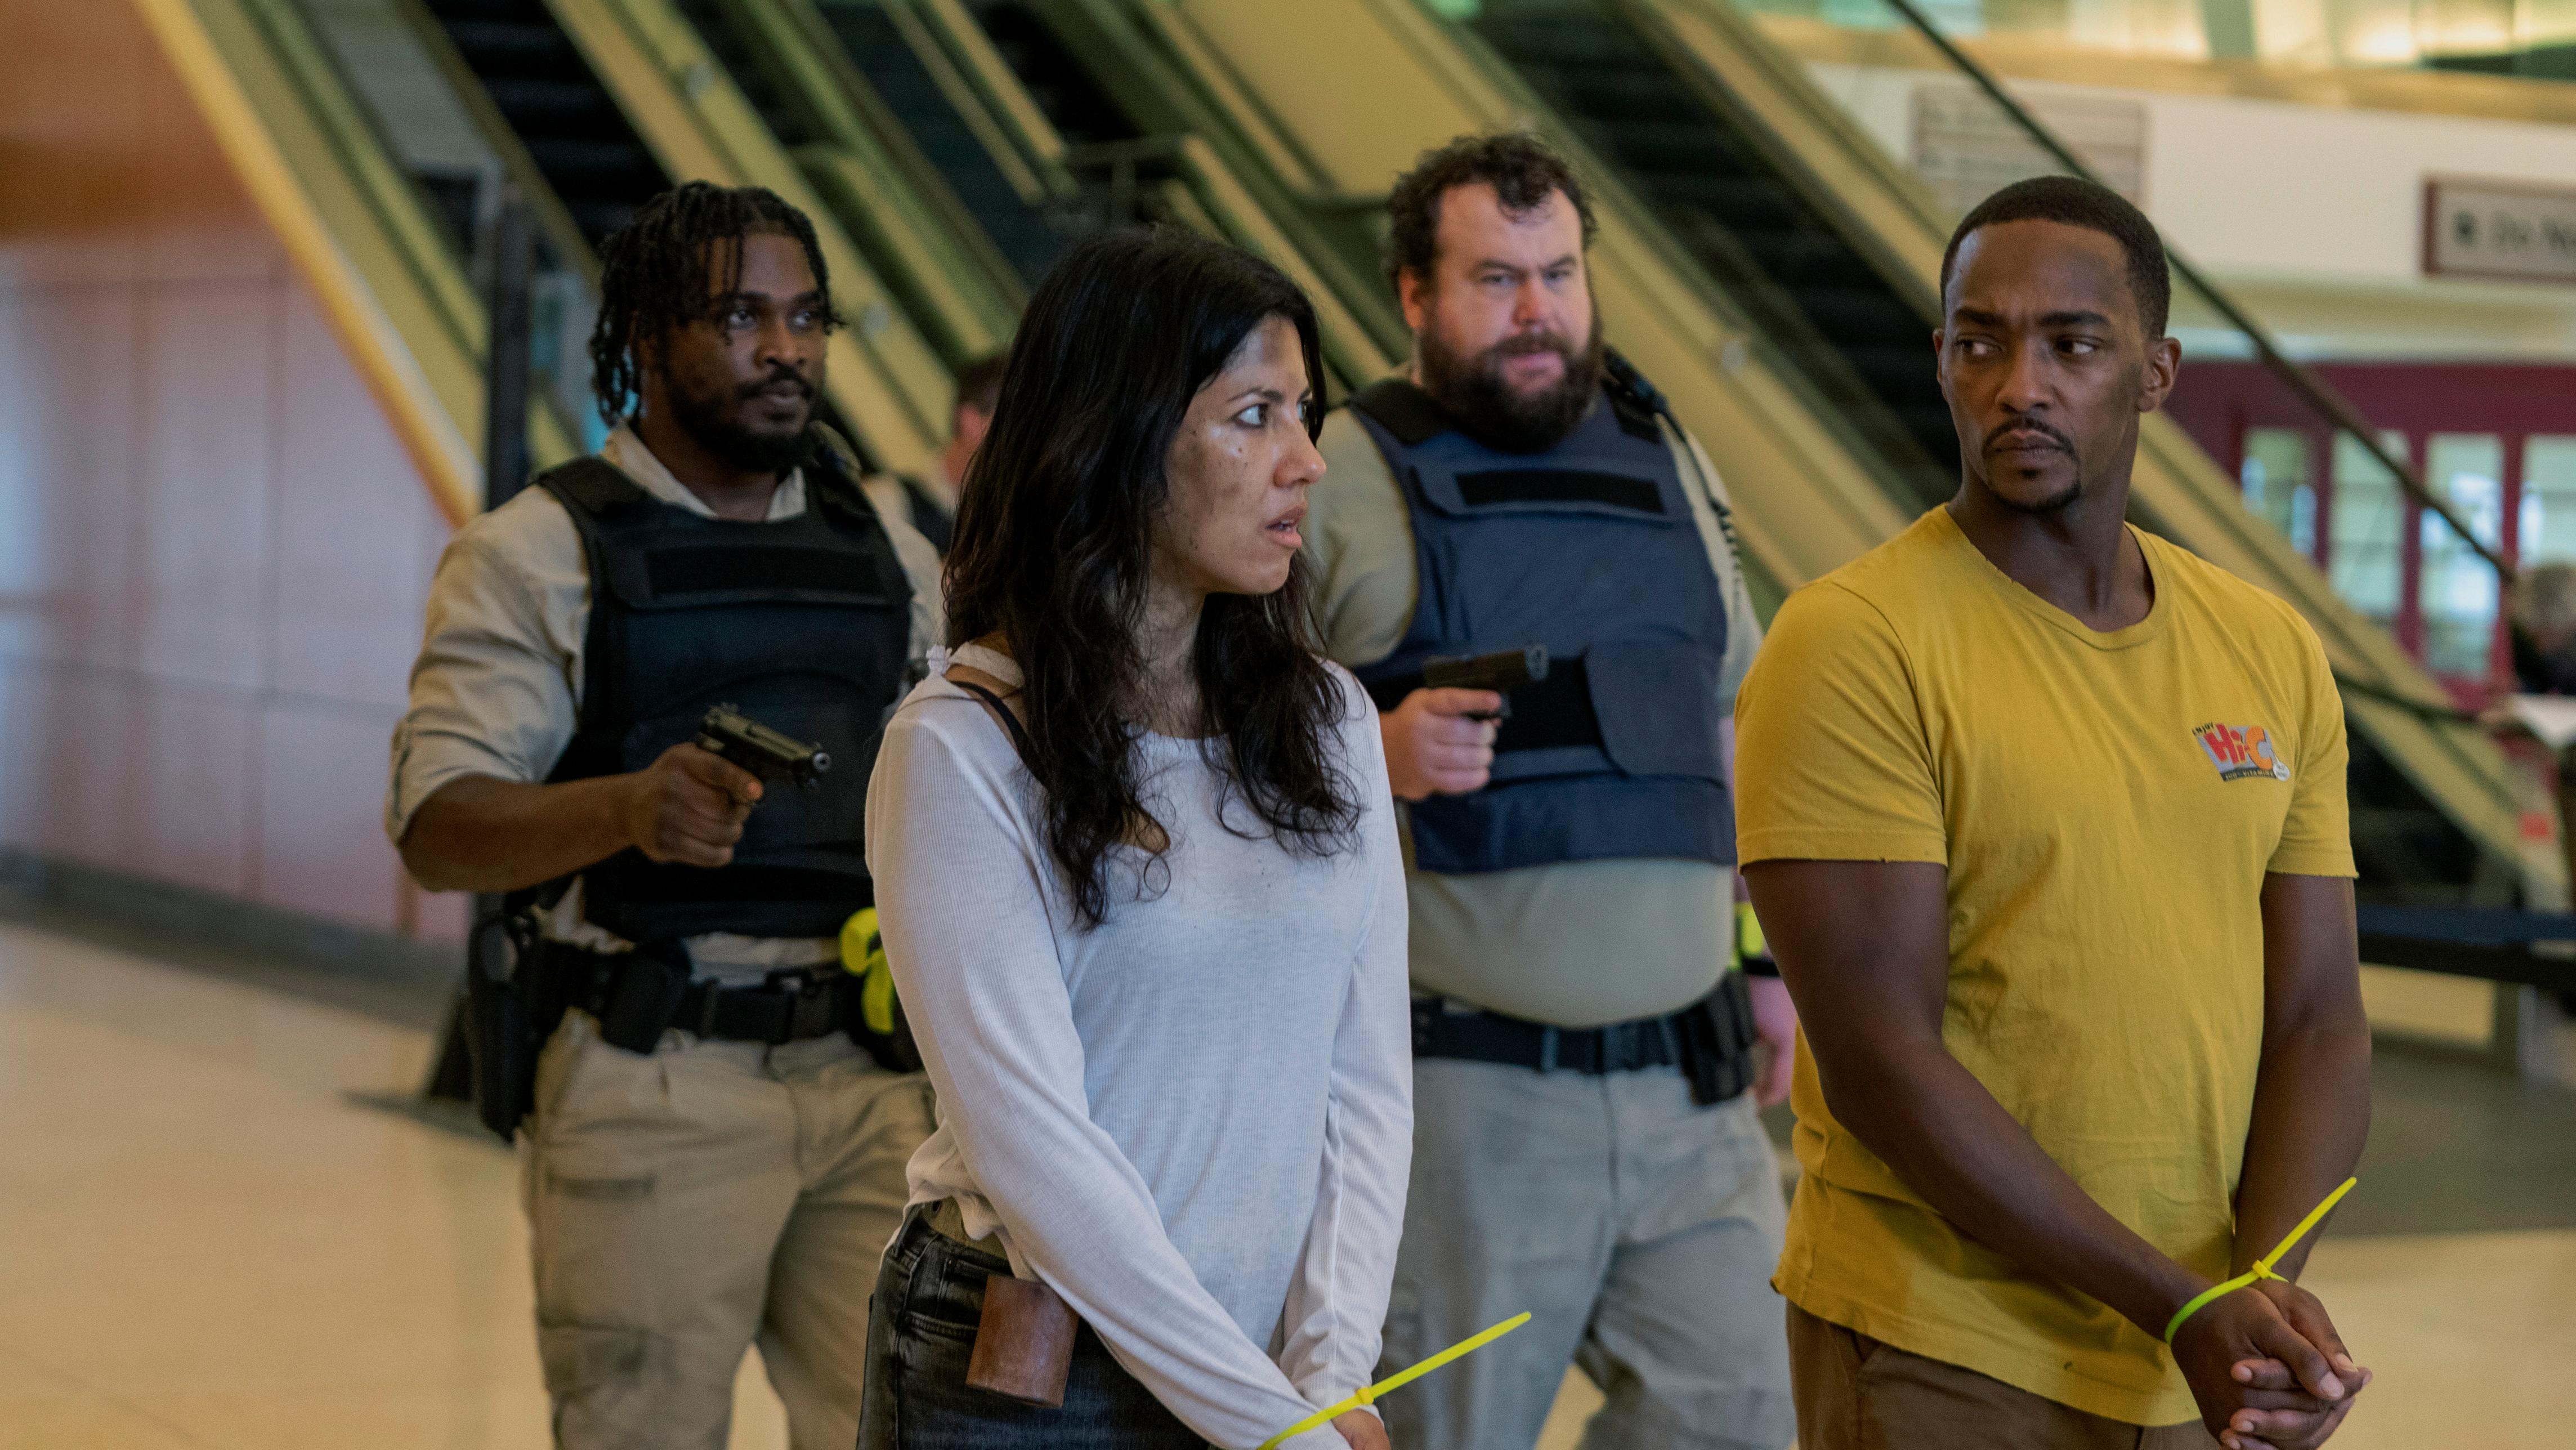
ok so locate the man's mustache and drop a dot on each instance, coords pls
(778, 375)
(1526, 343)
(2030, 425)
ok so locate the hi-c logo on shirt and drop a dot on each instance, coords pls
(2240, 751)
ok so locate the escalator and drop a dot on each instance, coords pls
(1767, 264)
(1861, 343)
(610, 101)
(1640, 82)
(1038, 143)
(566, 120)
(933, 251)
(1014, 204)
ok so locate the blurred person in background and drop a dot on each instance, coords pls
(929, 504)
(712, 1153)
(1587, 1059)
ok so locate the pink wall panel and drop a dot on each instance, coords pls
(209, 397)
(67, 450)
(352, 529)
(212, 554)
(321, 837)
(80, 766)
(190, 820)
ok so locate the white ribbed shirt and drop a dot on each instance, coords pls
(1193, 1121)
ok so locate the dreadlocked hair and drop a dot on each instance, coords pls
(663, 268)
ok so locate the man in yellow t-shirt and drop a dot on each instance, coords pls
(2045, 820)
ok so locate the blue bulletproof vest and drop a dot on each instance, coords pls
(803, 623)
(1590, 549)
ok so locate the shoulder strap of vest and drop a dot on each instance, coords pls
(1637, 402)
(1403, 409)
(590, 486)
(832, 485)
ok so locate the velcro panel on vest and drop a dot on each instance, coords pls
(725, 569)
(1559, 486)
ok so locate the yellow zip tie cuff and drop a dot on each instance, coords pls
(2262, 1267)
(1368, 1395)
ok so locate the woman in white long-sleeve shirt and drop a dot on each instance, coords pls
(1142, 896)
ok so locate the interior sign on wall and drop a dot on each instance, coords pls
(2509, 230)
(1968, 149)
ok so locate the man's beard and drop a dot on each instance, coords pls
(717, 428)
(1486, 408)
(2058, 502)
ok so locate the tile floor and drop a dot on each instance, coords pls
(206, 1244)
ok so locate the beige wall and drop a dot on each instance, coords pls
(212, 549)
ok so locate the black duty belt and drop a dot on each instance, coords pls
(1513, 1042)
(790, 1005)
(1710, 1041)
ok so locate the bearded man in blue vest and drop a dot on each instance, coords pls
(1587, 1063)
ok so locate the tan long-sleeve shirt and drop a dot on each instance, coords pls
(497, 688)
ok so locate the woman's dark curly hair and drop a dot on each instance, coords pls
(1054, 538)
(673, 259)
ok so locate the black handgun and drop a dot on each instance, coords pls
(1503, 671)
(756, 748)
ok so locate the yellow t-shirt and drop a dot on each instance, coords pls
(2107, 805)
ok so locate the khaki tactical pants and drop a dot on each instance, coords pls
(1855, 1393)
(1639, 1228)
(689, 1203)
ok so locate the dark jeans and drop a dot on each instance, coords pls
(921, 1332)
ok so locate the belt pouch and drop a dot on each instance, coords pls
(1717, 1041)
(643, 1003)
(1024, 1343)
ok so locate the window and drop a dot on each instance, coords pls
(2364, 520)
(2280, 483)
(2548, 498)
(2457, 591)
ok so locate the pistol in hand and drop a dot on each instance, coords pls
(1503, 671)
(743, 741)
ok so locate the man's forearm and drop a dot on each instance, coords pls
(481, 833)
(1974, 1163)
(2311, 1116)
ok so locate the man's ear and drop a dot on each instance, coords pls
(1413, 292)
(2164, 368)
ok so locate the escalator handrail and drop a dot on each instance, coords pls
(990, 99)
(2313, 390)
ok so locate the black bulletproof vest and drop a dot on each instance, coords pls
(802, 623)
(1591, 549)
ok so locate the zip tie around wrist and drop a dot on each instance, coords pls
(1368, 1395)
(2262, 1267)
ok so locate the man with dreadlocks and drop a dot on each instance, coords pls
(714, 1144)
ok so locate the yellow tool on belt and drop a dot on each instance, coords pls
(1749, 941)
(863, 953)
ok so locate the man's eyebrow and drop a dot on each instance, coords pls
(1980, 317)
(1497, 264)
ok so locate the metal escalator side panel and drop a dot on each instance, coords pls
(890, 199)
(884, 377)
(395, 330)
(2177, 489)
